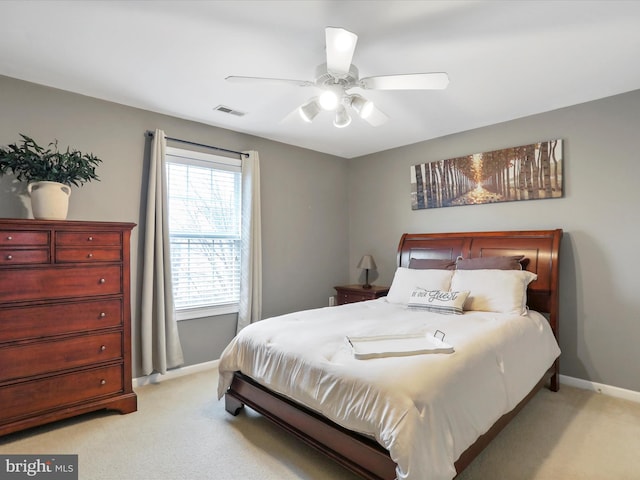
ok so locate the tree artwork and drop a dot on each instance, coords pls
(528, 172)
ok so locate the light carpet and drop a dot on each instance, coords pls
(181, 431)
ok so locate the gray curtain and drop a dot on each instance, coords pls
(161, 347)
(250, 308)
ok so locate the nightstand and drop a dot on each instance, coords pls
(356, 293)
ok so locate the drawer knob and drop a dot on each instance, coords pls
(102, 280)
(102, 314)
(90, 239)
(90, 255)
(9, 237)
(103, 348)
(103, 382)
(9, 257)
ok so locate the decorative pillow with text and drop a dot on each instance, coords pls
(438, 301)
(406, 280)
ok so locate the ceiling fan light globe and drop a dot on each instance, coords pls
(329, 100)
(343, 119)
(309, 110)
(363, 107)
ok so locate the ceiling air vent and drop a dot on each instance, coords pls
(230, 111)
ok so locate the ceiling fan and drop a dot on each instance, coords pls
(338, 76)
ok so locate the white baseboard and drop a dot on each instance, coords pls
(175, 373)
(601, 388)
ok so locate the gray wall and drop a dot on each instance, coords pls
(321, 213)
(304, 197)
(600, 303)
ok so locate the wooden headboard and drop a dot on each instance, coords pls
(540, 248)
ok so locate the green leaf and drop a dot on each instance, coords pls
(29, 162)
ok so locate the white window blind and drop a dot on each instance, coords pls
(204, 193)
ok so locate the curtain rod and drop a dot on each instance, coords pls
(242, 154)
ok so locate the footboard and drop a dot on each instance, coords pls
(357, 453)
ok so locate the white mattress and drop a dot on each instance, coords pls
(424, 409)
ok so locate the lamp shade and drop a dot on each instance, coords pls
(367, 262)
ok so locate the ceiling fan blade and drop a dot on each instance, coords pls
(240, 79)
(410, 81)
(340, 45)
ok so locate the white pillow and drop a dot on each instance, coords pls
(406, 280)
(502, 291)
(438, 301)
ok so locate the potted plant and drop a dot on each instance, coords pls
(49, 174)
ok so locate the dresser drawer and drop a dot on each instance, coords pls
(51, 283)
(55, 392)
(87, 238)
(36, 321)
(23, 237)
(68, 255)
(53, 356)
(10, 256)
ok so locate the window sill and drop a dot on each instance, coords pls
(193, 313)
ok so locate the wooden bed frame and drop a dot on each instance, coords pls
(364, 456)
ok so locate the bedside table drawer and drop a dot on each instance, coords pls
(357, 293)
(352, 297)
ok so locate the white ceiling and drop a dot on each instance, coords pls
(505, 59)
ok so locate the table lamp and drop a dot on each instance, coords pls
(367, 263)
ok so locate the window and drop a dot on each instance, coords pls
(204, 194)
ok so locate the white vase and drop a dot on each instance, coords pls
(49, 200)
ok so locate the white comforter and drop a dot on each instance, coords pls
(424, 409)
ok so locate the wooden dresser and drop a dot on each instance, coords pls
(65, 320)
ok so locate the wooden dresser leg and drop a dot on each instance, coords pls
(232, 405)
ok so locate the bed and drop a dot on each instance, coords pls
(412, 416)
